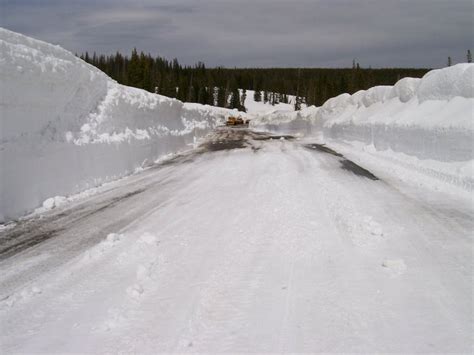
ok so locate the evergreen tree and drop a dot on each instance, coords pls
(235, 99)
(135, 75)
(297, 98)
(147, 79)
(449, 61)
(297, 103)
(265, 96)
(202, 95)
(469, 56)
(221, 97)
(212, 97)
(257, 95)
(242, 100)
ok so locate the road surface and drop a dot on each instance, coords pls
(250, 242)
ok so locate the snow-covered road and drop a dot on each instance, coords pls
(245, 244)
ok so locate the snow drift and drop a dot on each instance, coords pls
(426, 123)
(66, 126)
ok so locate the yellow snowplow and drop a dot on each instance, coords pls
(236, 121)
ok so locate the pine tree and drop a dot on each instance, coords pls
(135, 75)
(297, 103)
(297, 98)
(235, 99)
(469, 56)
(242, 100)
(221, 97)
(190, 97)
(212, 97)
(257, 95)
(449, 61)
(147, 79)
(202, 95)
(265, 96)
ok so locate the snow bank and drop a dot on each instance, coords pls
(430, 118)
(66, 126)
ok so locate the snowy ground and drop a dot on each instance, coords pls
(245, 244)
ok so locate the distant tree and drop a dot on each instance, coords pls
(274, 98)
(265, 96)
(297, 103)
(190, 97)
(147, 83)
(135, 74)
(242, 100)
(212, 95)
(202, 95)
(235, 99)
(257, 95)
(449, 61)
(221, 97)
(469, 56)
(298, 98)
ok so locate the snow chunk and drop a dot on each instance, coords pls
(396, 267)
(149, 239)
(53, 202)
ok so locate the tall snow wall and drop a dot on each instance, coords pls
(430, 118)
(65, 126)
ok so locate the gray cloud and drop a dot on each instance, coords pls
(263, 33)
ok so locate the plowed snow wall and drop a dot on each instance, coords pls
(66, 126)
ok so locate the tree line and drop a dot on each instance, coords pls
(220, 86)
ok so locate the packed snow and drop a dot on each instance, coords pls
(275, 246)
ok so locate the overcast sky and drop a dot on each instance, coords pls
(256, 33)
